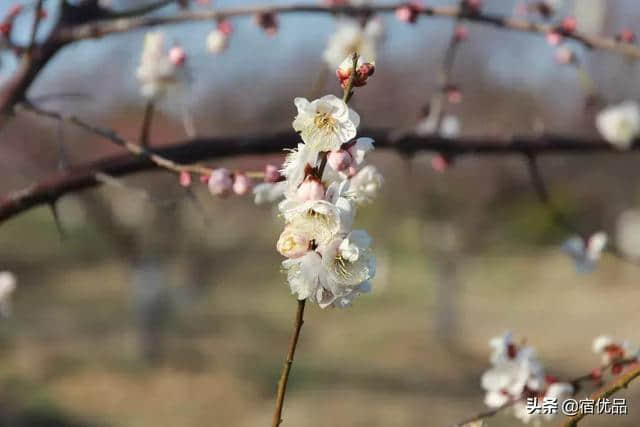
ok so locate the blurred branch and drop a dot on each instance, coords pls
(120, 25)
(605, 392)
(189, 151)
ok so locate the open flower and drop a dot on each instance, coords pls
(351, 37)
(296, 164)
(326, 123)
(365, 185)
(620, 124)
(293, 242)
(157, 71)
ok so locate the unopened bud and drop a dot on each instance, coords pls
(408, 12)
(339, 160)
(569, 25)
(177, 55)
(310, 189)
(220, 182)
(626, 36)
(242, 184)
(271, 174)
(268, 22)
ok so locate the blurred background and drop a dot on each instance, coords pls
(174, 312)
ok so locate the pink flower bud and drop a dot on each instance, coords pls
(569, 24)
(332, 3)
(454, 95)
(242, 184)
(352, 171)
(5, 28)
(271, 174)
(409, 12)
(310, 189)
(339, 160)
(220, 182)
(626, 36)
(224, 26)
(439, 163)
(185, 179)
(203, 2)
(177, 55)
(472, 6)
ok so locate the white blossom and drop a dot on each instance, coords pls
(450, 126)
(586, 254)
(7, 286)
(351, 37)
(326, 123)
(628, 233)
(156, 72)
(217, 41)
(620, 124)
(365, 185)
(268, 192)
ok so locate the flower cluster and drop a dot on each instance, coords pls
(515, 375)
(328, 262)
(159, 68)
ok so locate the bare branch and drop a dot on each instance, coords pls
(120, 25)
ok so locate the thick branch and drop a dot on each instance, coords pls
(113, 26)
(191, 151)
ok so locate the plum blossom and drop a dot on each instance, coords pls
(620, 124)
(7, 287)
(364, 70)
(586, 254)
(351, 37)
(326, 123)
(365, 185)
(516, 374)
(327, 262)
(220, 182)
(268, 192)
(159, 69)
(612, 351)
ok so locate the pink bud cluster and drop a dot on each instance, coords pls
(222, 182)
(363, 72)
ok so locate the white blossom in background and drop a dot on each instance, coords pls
(327, 261)
(586, 254)
(450, 126)
(217, 41)
(628, 233)
(620, 124)
(7, 286)
(515, 374)
(612, 350)
(351, 37)
(159, 68)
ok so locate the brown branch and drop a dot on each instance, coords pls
(605, 392)
(195, 150)
(286, 368)
(113, 26)
(486, 414)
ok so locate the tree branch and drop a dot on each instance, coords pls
(195, 150)
(286, 368)
(120, 25)
(605, 392)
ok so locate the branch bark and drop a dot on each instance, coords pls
(286, 368)
(187, 152)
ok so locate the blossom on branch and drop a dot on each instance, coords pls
(352, 37)
(620, 124)
(159, 69)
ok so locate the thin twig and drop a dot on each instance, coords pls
(120, 25)
(145, 131)
(286, 368)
